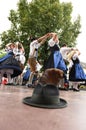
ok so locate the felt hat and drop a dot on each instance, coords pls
(45, 96)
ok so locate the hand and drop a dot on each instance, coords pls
(47, 35)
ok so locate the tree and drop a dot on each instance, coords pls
(38, 18)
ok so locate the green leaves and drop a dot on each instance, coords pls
(38, 18)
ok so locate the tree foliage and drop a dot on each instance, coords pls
(38, 18)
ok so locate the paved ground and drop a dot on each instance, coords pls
(14, 115)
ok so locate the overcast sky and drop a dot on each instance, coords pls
(79, 7)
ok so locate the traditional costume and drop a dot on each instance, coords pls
(76, 72)
(55, 60)
(9, 65)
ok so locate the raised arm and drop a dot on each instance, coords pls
(43, 38)
(54, 36)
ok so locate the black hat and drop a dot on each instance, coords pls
(45, 96)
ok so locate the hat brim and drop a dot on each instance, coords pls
(62, 104)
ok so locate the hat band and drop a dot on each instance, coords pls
(40, 99)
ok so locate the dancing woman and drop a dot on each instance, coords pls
(55, 59)
(8, 64)
(76, 73)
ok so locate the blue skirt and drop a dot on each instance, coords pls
(59, 62)
(9, 62)
(55, 60)
(77, 73)
(26, 75)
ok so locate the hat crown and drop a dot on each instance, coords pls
(48, 89)
(47, 94)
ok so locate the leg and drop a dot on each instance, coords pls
(75, 86)
(29, 83)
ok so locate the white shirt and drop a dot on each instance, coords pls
(75, 56)
(33, 45)
(64, 51)
(51, 42)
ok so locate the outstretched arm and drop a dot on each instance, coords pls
(42, 39)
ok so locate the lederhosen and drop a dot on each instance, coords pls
(33, 61)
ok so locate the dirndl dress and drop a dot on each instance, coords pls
(76, 72)
(8, 61)
(55, 60)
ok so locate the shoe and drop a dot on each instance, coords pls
(76, 89)
(9, 84)
(79, 86)
(29, 85)
(66, 86)
(66, 89)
